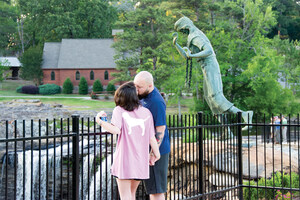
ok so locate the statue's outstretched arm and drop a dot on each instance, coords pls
(207, 50)
(178, 47)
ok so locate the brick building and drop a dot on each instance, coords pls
(76, 58)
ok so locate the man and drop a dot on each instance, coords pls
(200, 48)
(150, 97)
(284, 129)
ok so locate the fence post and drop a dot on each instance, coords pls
(200, 123)
(240, 155)
(75, 157)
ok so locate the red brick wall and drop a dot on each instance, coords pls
(62, 74)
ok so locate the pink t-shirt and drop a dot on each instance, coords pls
(131, 158)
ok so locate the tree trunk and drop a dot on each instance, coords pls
(20, 31)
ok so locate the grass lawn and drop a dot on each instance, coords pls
(71, 103)
(8, 88)
(186, 105)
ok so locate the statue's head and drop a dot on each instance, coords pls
(184, 23)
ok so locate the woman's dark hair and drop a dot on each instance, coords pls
(126, 96)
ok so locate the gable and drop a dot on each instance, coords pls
(51, 55)
(79, 54)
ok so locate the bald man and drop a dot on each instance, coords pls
(150, 98)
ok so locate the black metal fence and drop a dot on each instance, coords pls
(211, 157)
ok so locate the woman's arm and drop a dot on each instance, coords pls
(154, 149)
(107, 126)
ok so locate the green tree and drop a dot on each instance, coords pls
(291, 67)
(31, 64)
(3, 70)
(8, 27)
(97, 86)
(288, 19)
(83, 86)
(110, 87)
(52, 21)
(67, 86)
(268, 95)
(141, 45)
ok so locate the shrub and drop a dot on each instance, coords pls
(97, 86)
(83, 86)
(110, 88)
(30, 89)
(93, 96)
(49, 89)
(68, 86)
(277, 180)
(19, 89)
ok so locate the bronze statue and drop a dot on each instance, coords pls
(199, 47)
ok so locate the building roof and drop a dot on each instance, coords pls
(79, 54)
(10, 61)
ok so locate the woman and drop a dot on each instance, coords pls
(134, 125)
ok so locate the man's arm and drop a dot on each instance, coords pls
(159, 135)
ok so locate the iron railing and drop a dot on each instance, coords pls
(211, 158)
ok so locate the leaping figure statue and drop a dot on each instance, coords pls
(200, 48)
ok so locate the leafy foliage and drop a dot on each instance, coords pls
(19, 89)
(97, 86)
(83, 86)
(3, 70)
(8, 27)
(277, 180)
(68, 86)
(67, 19)
(30, 89)
(31, 64)
(141, 45)
(49, 89)
(110, 87)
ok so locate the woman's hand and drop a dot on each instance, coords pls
(153, 159)
(100, 114)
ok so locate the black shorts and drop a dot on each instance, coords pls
(158, 181)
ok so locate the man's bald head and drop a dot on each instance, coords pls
(144, 83)
(144, 76)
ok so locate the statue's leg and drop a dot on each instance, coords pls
(246, 115)
(227, 134)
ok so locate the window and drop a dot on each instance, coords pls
(52, 76)
(77, 75)
(91, 75)
(106, 75)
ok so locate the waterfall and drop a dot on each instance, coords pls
(32, 173)
(85, 168)
(32, 157)
(103, 171)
